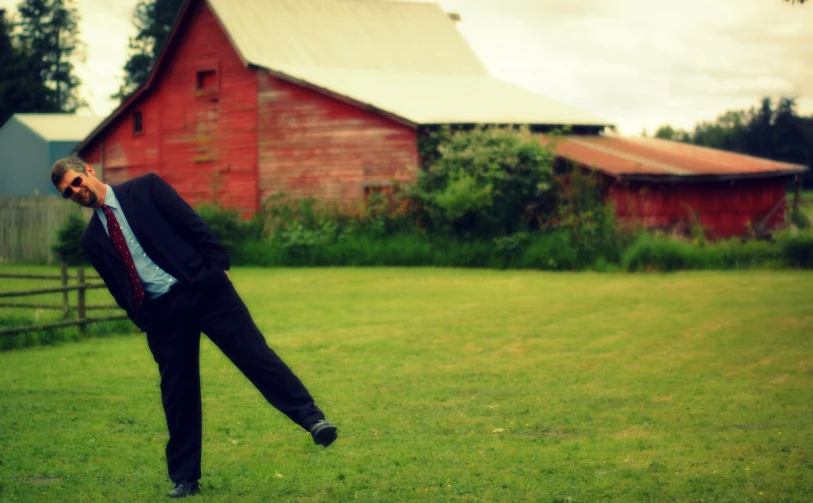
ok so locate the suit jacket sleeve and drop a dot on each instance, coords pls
(187, 222)
(98, 264)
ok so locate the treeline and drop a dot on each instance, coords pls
(40, 43)
(773, 130)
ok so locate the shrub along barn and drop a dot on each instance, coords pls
(320, 98)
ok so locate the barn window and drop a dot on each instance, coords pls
(207, 82)
(138, 124)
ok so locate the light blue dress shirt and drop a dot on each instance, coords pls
(155, 280)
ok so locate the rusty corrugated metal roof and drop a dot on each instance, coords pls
(650, 157)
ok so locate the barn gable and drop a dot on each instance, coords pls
(220, 130)
(194, 122)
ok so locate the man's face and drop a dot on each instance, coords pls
(81, 188)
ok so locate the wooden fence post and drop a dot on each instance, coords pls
(81, 297)
(797, 193)
(63, 269)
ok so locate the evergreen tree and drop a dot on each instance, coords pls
(48, 38)
(777, 133)
(21, 89)
(153, 20)
(759, 130)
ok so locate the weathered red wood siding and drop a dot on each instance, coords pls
(724, 209)
(120, 154)
(311, 145)
(203, 144)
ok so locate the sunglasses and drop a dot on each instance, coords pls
(74, 184)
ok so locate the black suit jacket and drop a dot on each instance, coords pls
(169, 230)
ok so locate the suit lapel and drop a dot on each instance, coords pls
(101, 236)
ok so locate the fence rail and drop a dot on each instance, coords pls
(82, 306)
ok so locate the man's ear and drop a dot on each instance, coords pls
(90, 171)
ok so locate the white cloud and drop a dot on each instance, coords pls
(639, 63)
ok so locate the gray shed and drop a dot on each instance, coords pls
(31, 143)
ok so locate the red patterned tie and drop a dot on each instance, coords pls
(124, 251)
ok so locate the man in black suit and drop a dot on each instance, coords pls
(164, 266)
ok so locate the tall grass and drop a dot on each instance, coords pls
(556, 251)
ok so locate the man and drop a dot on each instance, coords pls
(164, 266)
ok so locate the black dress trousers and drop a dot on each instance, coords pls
(176, 322)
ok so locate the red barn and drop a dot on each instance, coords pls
(326, 98)
(670, 185)
(319, 98)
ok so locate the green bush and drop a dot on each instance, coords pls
(590, 226)
(735, 254)
(231, 230)
(486, 182)
(355, 249)
(67, 248)
(555, 251)
(552, 251)
(797, 249)
(305, 223)
(656, 252)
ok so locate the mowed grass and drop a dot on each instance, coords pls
(451, 385)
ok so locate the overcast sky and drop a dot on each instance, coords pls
(636, 63)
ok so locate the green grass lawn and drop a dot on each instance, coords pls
(451, 385)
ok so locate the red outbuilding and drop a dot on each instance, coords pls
(673, 186)
(327, 99)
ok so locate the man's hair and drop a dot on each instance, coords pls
(62, 166)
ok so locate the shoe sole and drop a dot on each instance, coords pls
(190, 493)
(325, 435)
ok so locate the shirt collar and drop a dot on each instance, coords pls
(110, 199)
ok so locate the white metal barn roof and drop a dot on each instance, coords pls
(59, 127)
(404, 58)
(441, 99)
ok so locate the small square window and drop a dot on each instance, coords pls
(207, 81)
(138, 125)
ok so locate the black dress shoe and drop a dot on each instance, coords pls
(184, 488)
(324, 432)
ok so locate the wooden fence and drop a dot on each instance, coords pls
(82, 307)
(28, 227)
